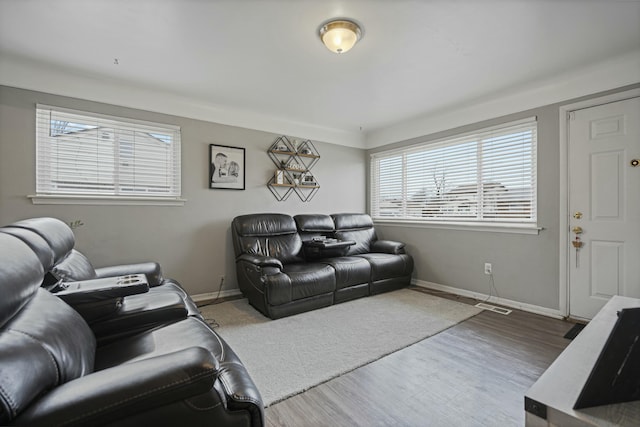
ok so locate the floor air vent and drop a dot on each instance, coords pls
(490, 307)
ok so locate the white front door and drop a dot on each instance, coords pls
(604, 202)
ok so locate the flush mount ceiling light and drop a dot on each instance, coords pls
(340, 35)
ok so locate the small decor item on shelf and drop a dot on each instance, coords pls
(279, 176)
(292, 165)
(306, 149)
(282, 146)
(308, 180)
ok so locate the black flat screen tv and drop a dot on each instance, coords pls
(615, 377)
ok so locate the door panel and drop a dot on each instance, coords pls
(605, 180)
(607, 127)
(605, 188)
(606, 262)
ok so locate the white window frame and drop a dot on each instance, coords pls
(144, 185)
(406, 218)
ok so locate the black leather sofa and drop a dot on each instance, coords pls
(287, 265)
(92, 353)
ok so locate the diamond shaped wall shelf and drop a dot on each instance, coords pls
(294, 159)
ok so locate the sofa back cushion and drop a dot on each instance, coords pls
(35, 241)
(20, 276)
(74, 268)
(43, 341)
(273, 235)
(311, 226)
(314, 225)
(357, 227)
(57, 234)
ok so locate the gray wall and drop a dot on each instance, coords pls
(193, 242)
(525, 267)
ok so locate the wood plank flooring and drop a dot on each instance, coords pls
(473, 374)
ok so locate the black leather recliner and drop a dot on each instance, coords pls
(281, 273)
(53, 242)
(71, 265)
(52, 372)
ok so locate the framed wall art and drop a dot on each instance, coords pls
(226, 167)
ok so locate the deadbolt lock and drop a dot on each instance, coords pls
(577, 230)
(577, 215)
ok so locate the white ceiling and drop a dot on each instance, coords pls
(260, 64)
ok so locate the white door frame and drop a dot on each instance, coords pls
(564, 187)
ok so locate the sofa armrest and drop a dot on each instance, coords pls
(242, 393)
(388, 247)
(260, 260)
(150, 269)
(125, 390)
(96, 290)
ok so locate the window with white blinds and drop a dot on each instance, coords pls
(485, 176)
(86, 154)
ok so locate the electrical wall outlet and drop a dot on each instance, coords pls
(487, 268)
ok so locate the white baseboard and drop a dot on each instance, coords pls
(428, 285)
(549, 312)
(213, 295)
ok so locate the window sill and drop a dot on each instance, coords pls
(43, 199)
(500, 227)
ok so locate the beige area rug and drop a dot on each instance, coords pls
(290, 355)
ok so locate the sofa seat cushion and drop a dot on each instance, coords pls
(350, 270)
(310, 279)
(190, 332)
(387, 266)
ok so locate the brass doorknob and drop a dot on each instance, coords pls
(577, 230)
